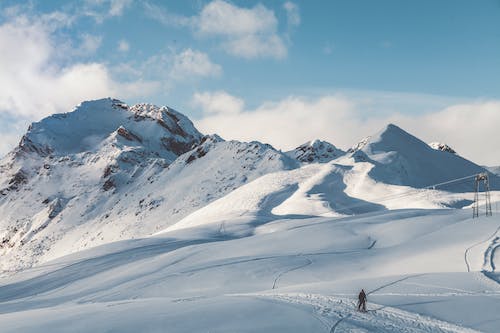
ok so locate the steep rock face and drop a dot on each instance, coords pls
(400, 158)
(316, 151)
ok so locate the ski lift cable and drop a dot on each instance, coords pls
(450, 181)
(413, 191)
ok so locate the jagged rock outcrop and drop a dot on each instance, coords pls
(316, 151)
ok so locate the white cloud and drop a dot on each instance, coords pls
(285, 124)
(242, 32)
(245, 32)
(37, 86)
(469, 127)
(190, 63)
(123, 46)
(223, 18)
(219, 103)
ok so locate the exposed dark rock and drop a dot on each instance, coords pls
(128, 135)
(55, 208)
(109, 170)
(108, 184)
(176, 146)
(17, 180)
(198, 153)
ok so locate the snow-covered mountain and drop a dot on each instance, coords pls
(316, 151)
(108, 171)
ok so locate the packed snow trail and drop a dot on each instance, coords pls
(342, 316)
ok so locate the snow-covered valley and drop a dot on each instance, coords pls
(424, 271)
(118, 218)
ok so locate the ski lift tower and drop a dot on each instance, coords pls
(481, 178)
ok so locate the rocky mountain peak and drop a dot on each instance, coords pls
(315, 151)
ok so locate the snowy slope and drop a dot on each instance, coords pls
(424, 271)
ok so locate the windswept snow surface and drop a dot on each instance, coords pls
(423, 270)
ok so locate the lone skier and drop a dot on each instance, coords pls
(362, 301)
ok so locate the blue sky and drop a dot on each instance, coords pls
(337, 70)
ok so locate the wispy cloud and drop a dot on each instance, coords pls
(166, 17)
(292, 13)
(89, 44)
(103, 9)
(170, 67)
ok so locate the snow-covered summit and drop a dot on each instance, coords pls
(160, 129)
(400, 158)
(315, 151)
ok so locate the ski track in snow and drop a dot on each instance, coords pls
(490, 259)
(307, 263)
(310, 262)
(490, 250)
(341, 315)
